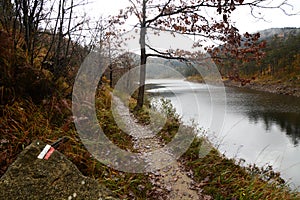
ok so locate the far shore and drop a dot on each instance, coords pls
(277, 88)
(265, 86)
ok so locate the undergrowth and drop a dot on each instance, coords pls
(23, 122)
(223, 178)
(218, 176)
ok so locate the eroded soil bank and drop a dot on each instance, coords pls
(268, 86)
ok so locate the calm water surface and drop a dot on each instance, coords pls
(259, 127)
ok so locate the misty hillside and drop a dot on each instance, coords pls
(280, 32)
(164, 68)
(281, 60)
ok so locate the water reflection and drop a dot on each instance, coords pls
(283, 111)
(288, 122)
(259, 127)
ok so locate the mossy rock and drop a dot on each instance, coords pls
(56, 178)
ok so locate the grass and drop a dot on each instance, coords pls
(220, 177)
(24, 122)
(196, 79)
(223, 178)
(291, 80)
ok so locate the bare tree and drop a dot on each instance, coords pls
(30, 15)
(106, 39)
(65, 27)
(44, 39)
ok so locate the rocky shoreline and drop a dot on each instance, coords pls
(276, 88)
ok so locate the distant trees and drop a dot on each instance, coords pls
(280, 59)
(106, 39)
(281, 54)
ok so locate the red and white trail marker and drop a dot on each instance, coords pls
(46, 152)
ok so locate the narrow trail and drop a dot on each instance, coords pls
(172, 178)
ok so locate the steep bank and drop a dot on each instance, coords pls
(277, 70)
(268, 86)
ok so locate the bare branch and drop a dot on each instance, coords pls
(166, 57)
(159, 52)
(136, 11)
(160, 14)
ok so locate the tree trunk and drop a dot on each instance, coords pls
(110, 65)
(26, 23)
(111, 75)
(140, 100)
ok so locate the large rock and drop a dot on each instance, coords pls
(56, 178)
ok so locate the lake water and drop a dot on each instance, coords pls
(259, 127)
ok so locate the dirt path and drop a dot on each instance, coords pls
(172, 178)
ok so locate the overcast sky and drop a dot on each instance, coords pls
(243, 18)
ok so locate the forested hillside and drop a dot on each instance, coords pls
(39, 52)
(280, 62)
